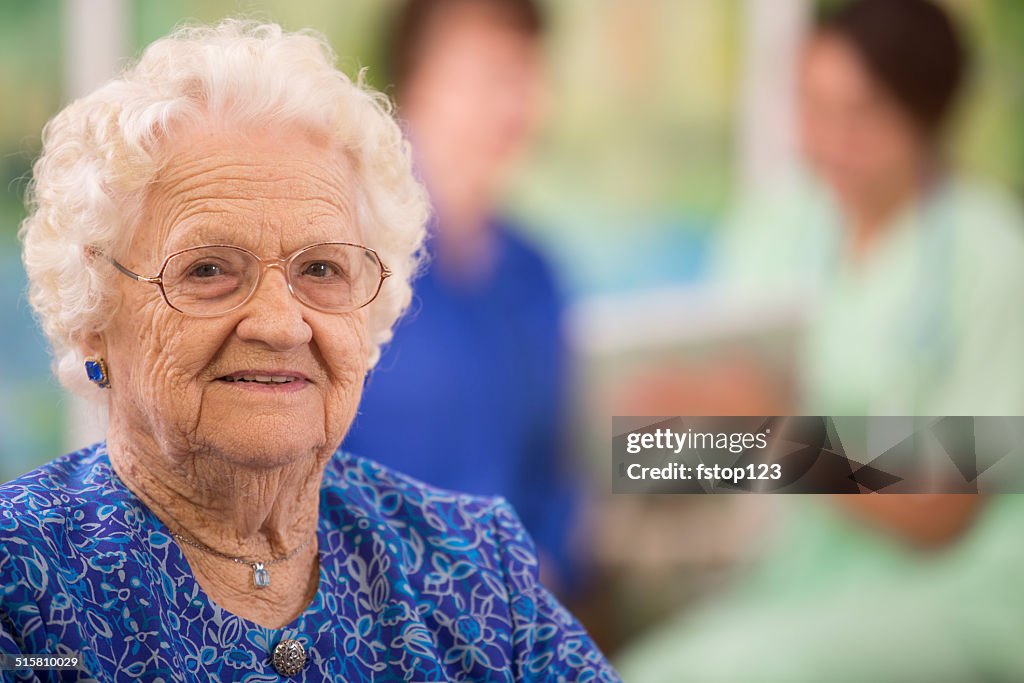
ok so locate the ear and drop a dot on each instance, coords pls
(92, 344)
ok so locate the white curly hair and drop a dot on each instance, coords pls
(102, 151)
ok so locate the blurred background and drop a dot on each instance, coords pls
(668, 127)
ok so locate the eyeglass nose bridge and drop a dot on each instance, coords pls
(266, 264)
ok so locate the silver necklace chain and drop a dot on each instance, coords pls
(261, 577)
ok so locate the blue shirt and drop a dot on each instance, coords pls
(477, 374)
(416, 584)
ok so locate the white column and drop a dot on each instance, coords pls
(96, 42)
(767, 105)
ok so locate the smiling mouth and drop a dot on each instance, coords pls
(271, 380)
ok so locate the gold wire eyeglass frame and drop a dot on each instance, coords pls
(284, 264)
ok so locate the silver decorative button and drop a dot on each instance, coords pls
(289, 657)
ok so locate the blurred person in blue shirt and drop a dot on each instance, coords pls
(478, 368)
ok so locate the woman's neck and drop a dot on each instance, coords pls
(259, 515)
(867, 225)
(240, 510)
(869, 218)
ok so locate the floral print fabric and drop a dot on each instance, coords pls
(416, 584)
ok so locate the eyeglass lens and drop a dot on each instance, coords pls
(216, 279)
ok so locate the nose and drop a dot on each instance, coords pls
(273, 316)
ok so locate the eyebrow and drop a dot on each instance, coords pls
(205, 234)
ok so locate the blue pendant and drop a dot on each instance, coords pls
(260, 575)
(96, 371)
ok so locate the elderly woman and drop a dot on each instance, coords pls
(220, 242)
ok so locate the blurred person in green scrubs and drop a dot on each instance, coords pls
(915, 277)
(914, 274)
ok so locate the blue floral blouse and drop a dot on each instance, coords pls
(416, 584)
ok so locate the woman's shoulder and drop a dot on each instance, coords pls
(383, 492)
(978, 232)
(60, 484)
(988, 222)
(51, 498)
(361, 492)
(71, 500)
(467, 568)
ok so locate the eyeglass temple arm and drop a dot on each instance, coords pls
(93, 251)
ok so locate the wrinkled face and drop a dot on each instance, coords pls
(854, 134)
(477, 90)
(271, 192)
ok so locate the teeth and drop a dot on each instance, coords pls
(262, 379)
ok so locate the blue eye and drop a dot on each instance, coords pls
(206, 270)
(321, 269)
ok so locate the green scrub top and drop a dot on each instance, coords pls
(835, 601)
(929, 321)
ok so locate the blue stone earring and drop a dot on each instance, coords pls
(96, 371)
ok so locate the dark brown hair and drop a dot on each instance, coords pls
(912, 47)
(416, 20)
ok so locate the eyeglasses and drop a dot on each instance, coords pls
(204, 282)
